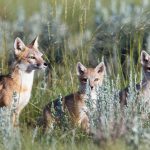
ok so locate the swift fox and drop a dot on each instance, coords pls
(74, 103)
(144, 87)
(20, 80)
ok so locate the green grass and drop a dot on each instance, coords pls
(79, 16)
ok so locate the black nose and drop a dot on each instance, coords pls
(92, 87)
(45, 64)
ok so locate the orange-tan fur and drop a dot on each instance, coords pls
(20, 80)
(75, 102)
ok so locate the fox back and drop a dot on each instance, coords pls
(74, 103)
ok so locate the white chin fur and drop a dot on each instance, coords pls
(94, 99)
(22, 67)
(93, 95)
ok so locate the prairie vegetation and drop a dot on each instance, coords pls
(87, 31)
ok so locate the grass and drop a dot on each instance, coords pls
(72, 31)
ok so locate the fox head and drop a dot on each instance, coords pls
(145, 61)
(28, 58)
(94, 76)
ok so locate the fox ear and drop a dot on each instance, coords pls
(144, 57)
(34, 43)
(80, 69)
(100, 68)
(18, 45)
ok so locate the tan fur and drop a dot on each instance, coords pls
(21, 78)
(75, 103)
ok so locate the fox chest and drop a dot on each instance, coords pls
(79, 112)
(23, 99)
(24, 92)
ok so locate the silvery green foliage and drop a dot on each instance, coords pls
(10, 134)
(136, 116)
(107, 112)
(108, 108)
(89, 103)
(110, 120)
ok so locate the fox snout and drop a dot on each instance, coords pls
(42, 65)
(92, 87)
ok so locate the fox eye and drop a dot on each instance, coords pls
(84, 80)
(96, 79)
(148, 68)
(146, 60)
(31, 57)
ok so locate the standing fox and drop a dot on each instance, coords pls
(75, 102)
(27, 59)
(144, 87)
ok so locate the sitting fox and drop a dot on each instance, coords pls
(20, 80)
(144, 87)
(75, 103)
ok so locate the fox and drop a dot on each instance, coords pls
(142, 88)
(27, 59)
(74, 103)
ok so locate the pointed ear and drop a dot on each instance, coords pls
(100, 68)
(18, 45)
(34, 43)
(80, 69)
(144, 57)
